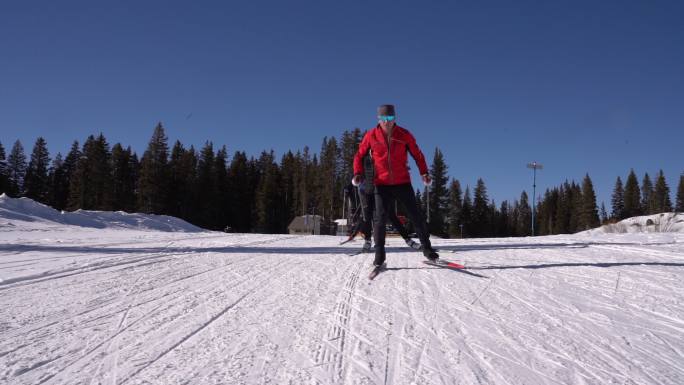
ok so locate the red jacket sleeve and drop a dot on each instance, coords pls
(417, 154)
(364, 147)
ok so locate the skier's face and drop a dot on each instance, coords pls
(385, 123)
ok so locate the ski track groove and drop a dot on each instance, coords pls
(328, 352)
(119, 327)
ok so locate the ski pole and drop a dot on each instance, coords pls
(427, 191)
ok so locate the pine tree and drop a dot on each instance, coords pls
(632, 196)
(494, 218)
(242, 192)
(604, 213)
(134, 166)
(467, 213)
(78, 183)
(102, 174)
(589, 215)
(4, 173)
(419, 202)
(524, 220)
(424, 204)
(181, 201)
(36, 184)
(548, 216)
(123, 179)
(455, 209)
(16, 170)
(680, 195)
(58, 186)
(504, 218)
(480, 217)
(349, 144)
(647, 195)
(327, 180)
(268, 207)
(207, 193)
(91, 183)
(575, 201)
(61, 175)
(222, 188)
(306, 184)
(173, 196)
(288, 171)
(661, 195)
(563, 210)
(439, 196)
(188, 194)
(618, 201)
(153, 180)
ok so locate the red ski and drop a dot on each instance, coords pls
(443, 263)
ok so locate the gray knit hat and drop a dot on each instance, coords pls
(386, 109)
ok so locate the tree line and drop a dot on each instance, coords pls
(262, 194)
(203, 186)
(631, 200)
(453, 212)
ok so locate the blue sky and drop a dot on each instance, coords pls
(581, 87)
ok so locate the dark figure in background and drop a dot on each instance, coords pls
(390, 145)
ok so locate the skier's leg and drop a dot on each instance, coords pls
(382, 199)
(404, 193)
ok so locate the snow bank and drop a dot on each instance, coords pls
(657, 223)
(27, 210)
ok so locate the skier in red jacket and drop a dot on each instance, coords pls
(390, 145)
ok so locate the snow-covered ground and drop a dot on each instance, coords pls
(116, 305)
(42, 216)
(657, 223)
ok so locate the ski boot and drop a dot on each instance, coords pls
(367, 246)
(430, 254)
(413, 244)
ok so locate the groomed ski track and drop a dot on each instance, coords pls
(209, 308)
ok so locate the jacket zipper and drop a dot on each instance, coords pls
(389, 157)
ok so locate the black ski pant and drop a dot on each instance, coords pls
(367, 219)
(384, 199)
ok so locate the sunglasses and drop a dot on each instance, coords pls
(386, 118)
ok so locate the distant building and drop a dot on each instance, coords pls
(342, 228)
(306, 225)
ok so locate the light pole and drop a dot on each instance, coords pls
(534, 166)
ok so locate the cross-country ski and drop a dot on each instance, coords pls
(444, 263)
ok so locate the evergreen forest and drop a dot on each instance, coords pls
(212, 189)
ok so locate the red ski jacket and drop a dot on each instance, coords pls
(391, 161)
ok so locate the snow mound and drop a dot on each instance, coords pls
(657, 223)
(27, 210)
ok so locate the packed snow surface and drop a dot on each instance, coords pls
(123, 306)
